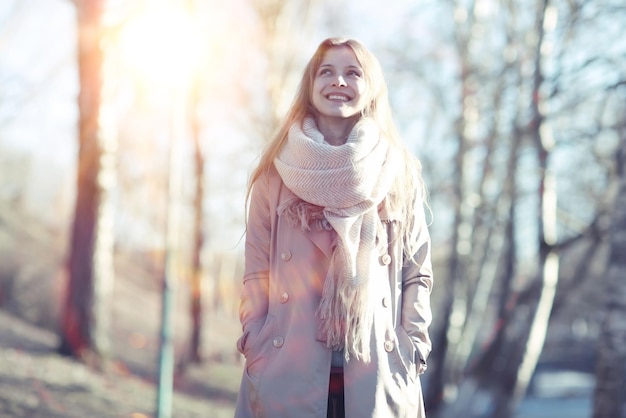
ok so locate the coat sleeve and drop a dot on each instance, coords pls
(254, 300)
(417, 283)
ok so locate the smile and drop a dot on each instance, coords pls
(340, 97)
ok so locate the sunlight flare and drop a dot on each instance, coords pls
(161, 46)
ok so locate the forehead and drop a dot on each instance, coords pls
(340, 56)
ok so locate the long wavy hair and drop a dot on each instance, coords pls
(408, 188)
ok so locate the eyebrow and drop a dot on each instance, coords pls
(349, 66)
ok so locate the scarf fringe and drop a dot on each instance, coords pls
(299, 213)
(346, 319)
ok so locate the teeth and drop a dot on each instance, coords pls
(337, 97)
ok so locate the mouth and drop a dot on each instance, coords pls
(338, 97)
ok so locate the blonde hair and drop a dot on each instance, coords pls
(408, 188)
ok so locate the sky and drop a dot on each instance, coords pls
(37, 110)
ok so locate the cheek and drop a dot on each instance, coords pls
(314, 100)
(317, 86)
(366, 94)
(361, 87)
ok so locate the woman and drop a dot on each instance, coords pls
(335, 306)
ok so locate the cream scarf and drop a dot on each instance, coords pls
(348, 182)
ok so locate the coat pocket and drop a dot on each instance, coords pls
(406, 353)
(256, 348)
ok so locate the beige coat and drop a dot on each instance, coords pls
(287, 365)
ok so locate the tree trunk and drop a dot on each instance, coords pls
(533, 339)
(84, 328)
(453, 311)
(196, 268)
(610, 399)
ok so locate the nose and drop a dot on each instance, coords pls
(339, 82)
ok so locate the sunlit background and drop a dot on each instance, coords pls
(155, 51)
(495, 140)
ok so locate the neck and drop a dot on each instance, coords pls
(335, 131)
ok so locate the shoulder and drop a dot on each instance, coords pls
(266, 178)
(265, 189)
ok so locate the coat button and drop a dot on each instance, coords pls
(389, 345)
(385, 259)
(386, 302)
(278, 342)
(284, 297)
(285, 255)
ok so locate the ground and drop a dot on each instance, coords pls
(35, 382)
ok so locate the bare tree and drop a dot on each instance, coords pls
(453, 305)
(520, 351)
(514, 93)
(609, 401)
(533, 338)
(85, 321)
(198, 238)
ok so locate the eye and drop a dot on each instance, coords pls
(354, 73)
(324, 71)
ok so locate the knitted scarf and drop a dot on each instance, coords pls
(348, 182)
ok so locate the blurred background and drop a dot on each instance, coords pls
(128, 130)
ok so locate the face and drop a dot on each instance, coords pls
(339, 85)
